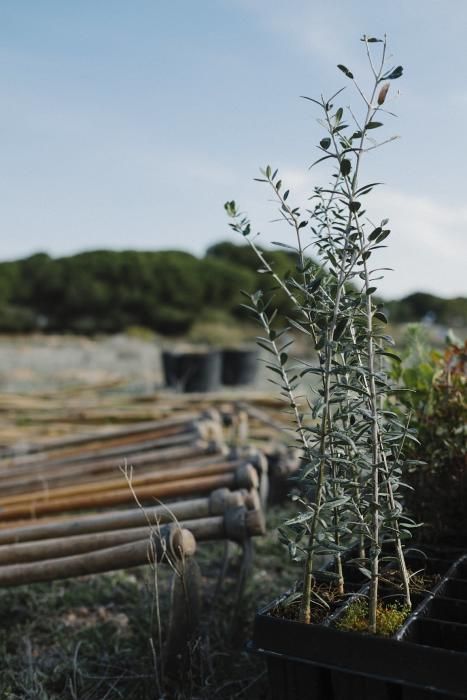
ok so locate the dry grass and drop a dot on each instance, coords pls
(93, 638)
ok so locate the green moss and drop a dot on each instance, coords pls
(389, 617)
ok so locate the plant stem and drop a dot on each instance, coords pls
(305, 606)
(375, 544)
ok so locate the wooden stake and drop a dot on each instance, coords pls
(244, 476)
(154, 477)
(172, 541)
(95, 472)
(171, 454)
(215, 504)
(160, 426)
(237, 524)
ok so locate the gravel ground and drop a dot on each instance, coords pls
(48, 363)
(37, 363)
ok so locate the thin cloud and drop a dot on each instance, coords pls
(427, 246)
(307, 27)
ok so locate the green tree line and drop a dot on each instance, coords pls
(108, 291)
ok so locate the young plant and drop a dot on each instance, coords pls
(350, 480)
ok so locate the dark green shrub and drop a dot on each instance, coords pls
(223, 282)
(103, 291)
(415, 307)
(283, 264)
(17, 319)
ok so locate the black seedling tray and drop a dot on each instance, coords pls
(447, 610)
(425, 660)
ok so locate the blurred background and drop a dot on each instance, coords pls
(126, 126)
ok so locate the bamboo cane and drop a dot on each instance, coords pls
(93, 417)
(154, 477)
(171, 454)
(72, 476)
(147, 436)
(172, 542)
(260, 398)
(245, 476)
(265, 419)
(53, 469)
(83, 447)
(82, 455)
(177, 423)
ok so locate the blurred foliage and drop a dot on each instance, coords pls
(215, 327)
(426, 307)
(438, 403)
(282, 262)
(166, 292)
(107, 291)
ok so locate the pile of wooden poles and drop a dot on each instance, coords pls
(108, 541)
(35, 419)
(58, 516)
(124, 481)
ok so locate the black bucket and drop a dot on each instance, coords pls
(192, 371)
(239, 366)
(169, 368)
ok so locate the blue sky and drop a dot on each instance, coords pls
(128, 124)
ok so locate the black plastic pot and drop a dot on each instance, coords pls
(192, 371)
(425, 660)
(239, 366)
(169, 368)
